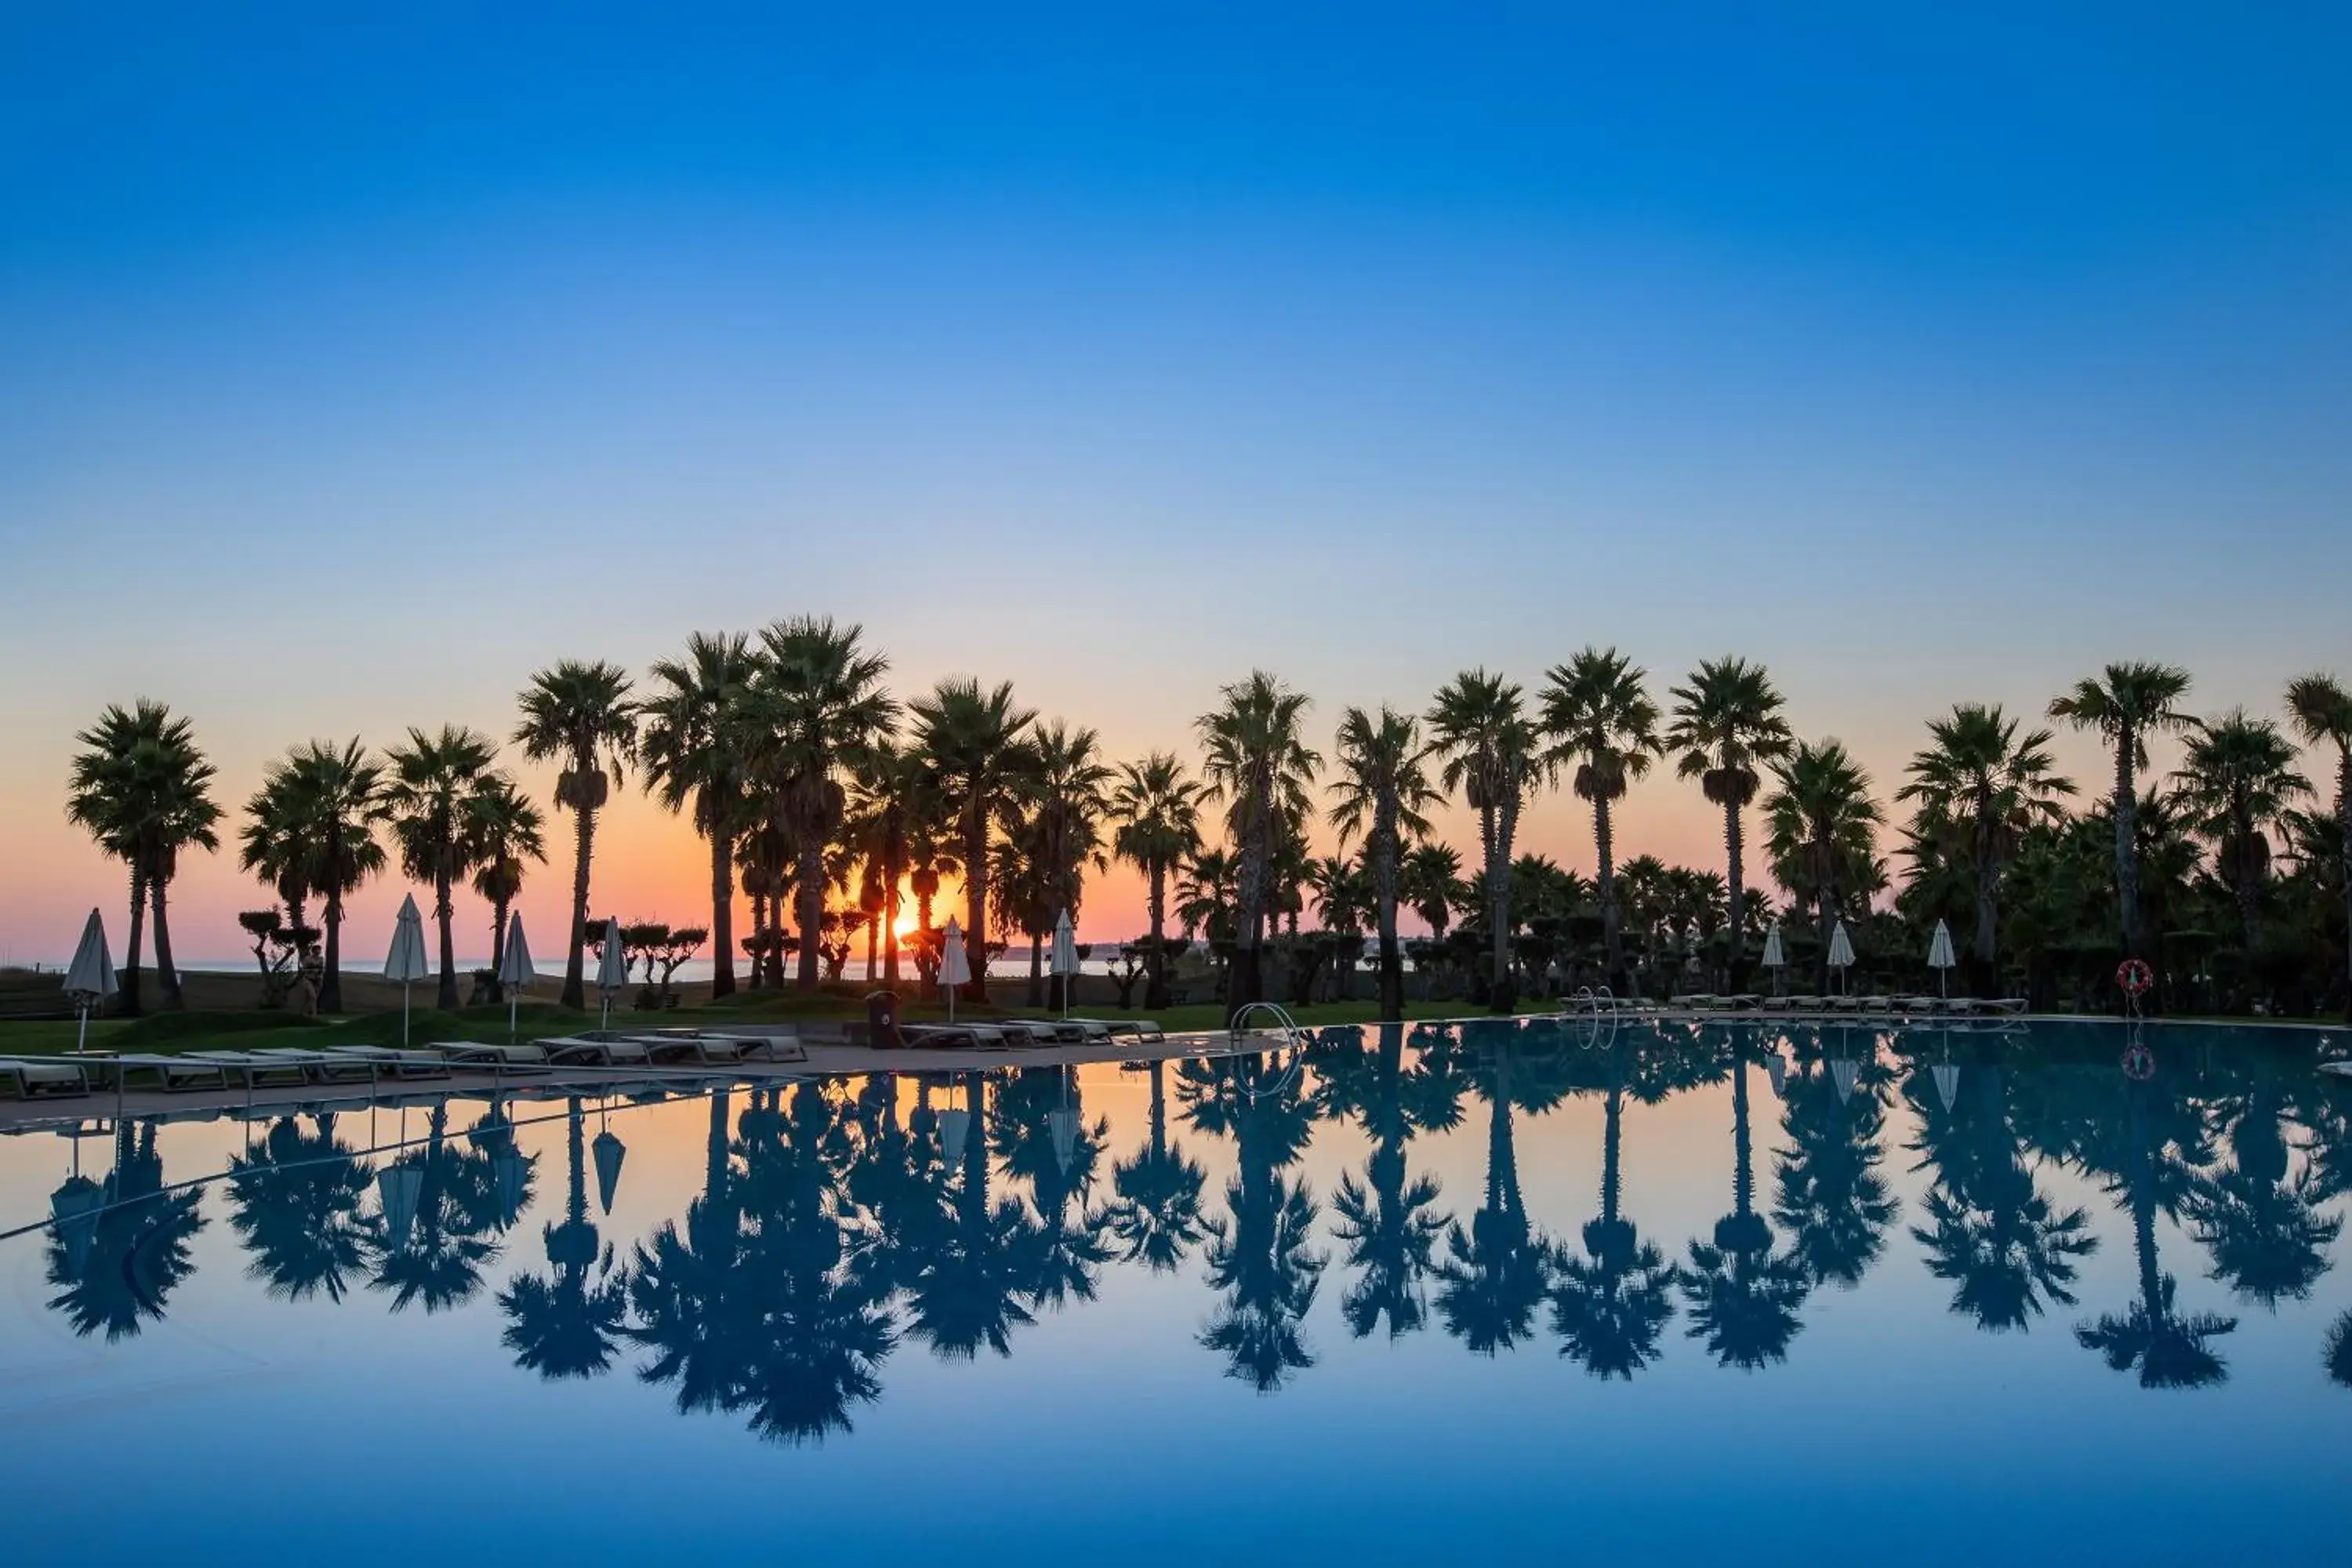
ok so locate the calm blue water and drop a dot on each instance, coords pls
(1428, 1295)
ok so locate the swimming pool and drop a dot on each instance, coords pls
(1426, 1293)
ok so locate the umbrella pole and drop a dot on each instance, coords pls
(81, 1035)
(512, 999)
(403, 1014)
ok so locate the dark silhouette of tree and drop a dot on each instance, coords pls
(116, 1265)
(2263, 1226)
(1156, 1219)
(1495, 1272)
(969, 1289)
(297, 1197)
(1743, 1295)
(1831, 1198)
(438, 1261)
(2170, 1351)
(1610, 1306)
(1259, 1256)
(686, 1289)
(568, 1324)
(1388, 1221)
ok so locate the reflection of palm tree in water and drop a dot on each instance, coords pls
(686, 1286)
(297, 1200)
(1494, 1273)
(2337, 1356)
(968, 1286)
(1157, 1219)
(1258, 1256)
(2267, 1234)
(1610, 1306)
(566, 1325)
(1040, 1134)
(439, 1261)
(1387, 1221)
(1831, 1198)
(1743, 1296)
(2169, 1350)
(116, 1265)
(1991, 1231)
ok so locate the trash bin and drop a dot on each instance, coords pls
(882, 1019)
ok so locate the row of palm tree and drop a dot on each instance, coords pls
(821, 794)
(832, 1226)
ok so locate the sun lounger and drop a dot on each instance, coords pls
(391, 1062)
(1111, 1028)
(324, 1066)
(251, 1068)
(516, 1057)
(169, 1073)
(682, 1045)
(952, 1037)
(35, 1078)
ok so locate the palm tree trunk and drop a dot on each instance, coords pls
(1988, 914)
(1612, 940)
(167, 974)
(1037, 996)
(1155, 989)
(722, 916)
(442, 912)
(130, 976)
(330, 982)
(895, 871)
(872, 942)
(575, 988)
(808, 907)
(1735, 880)
(975, 894)
(2127, 814)
(2344, 837)
(497, 948)
(2249, 905)
(1384, 893)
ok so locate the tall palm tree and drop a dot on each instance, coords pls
(1610, 1306)
(890, 804)
(2321, 708)
(1389, 1221)
(1822, 820)
(568, 1325)
(1727, 725)
(696, 750)
(2238, 777)
(1598, 715)
(1259, 767)
(1072, 794)
(579, 715)
(296, 1200)
(1382, 791)
(1493, 754)
(1157, 1217)
(433, 776)
(315, 817)
(501, 830)
(1743, 1292)
(818, 703)
(2127, 704)
(2168, 1348)
(980, 752)
(141, 787)
(1496, 1270)
(1156, 808)
(1429, 881)
(1979, 776)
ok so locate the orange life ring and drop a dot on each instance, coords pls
(2135, 976)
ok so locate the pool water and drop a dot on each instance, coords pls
(1430, 1293)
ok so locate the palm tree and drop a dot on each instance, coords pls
(143, 790)
(891, 804)
(2322, 711)
(2238, 777)
(1157, 810)
(501, 831)
(433, 776)
(1726, 725)
(1071, 794)
(1495, 756)
(1610, 1306)
(817, 704)
(1821, 819)
(1259, 767)
(980, 750)
(297, 1200)
(117, 1266)
(1429, 880)
(1260, 1257)
(1383, 791)
(314, 817)
(1597, 713)
(2125, 705)
(1389, 1221)
(2168, 1348)
(1979, 776)
(1497, 1269)
(697, 752)
(579, 715)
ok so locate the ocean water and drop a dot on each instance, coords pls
(1419, 1294)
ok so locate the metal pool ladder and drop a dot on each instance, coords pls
(1291, 1032)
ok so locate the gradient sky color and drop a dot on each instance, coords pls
(354, 366)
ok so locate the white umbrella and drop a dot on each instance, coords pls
(611, 968)
(398, 1187)
(1775, 959)
(607, 1151)
(1777, 1066)
(955, 1131)
(1940, 957)
(1841, 952)
(1843, 1070)
(406, 962)
(515, 973)
(89, 980)
(955, 969)
(1065, 967)
(1947, 1082)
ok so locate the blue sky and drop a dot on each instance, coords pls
(350, 367)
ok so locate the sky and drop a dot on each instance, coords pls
(357, 362)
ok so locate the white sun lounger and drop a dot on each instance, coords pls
(251, 1068)
(391, 1062)
(169, 1073)
(35, 1078)
(326, 1066)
